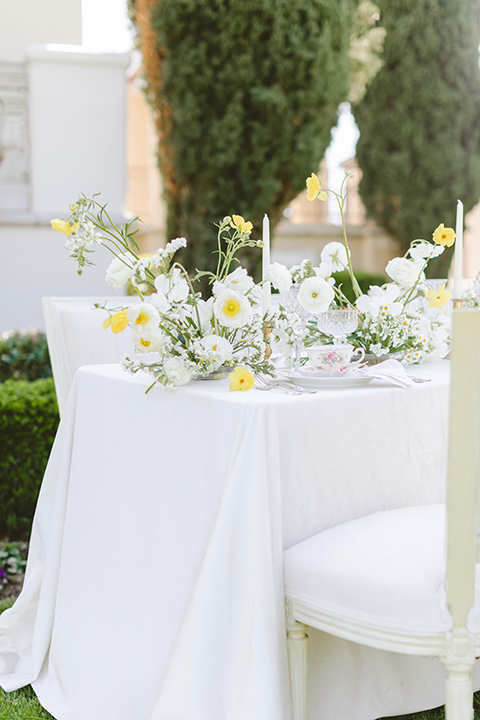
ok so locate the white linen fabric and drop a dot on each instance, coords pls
(154, 587)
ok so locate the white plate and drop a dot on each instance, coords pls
(314, 380)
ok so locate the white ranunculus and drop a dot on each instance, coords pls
(404, 272)
(176, 371)
(217, 349)
(232, 310)
(238, 280)
(279, 276)
(315, 295)
(367, 305)
(335, 254)
(143, 315)
(120, 271)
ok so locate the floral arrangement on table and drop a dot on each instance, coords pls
(407, 317)
(181, 335)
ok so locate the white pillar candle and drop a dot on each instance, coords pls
(457, 277)
(265, 263)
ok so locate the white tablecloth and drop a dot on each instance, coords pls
(154, 583)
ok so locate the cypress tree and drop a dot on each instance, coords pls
(419, 121)
(245, 94)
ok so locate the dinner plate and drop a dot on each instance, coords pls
(316, 380)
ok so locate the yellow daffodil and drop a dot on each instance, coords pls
(444, 236)
(241, 379)
(63, 226)
(117, 322)
(314, 189)
(438, 297)
(238, 222)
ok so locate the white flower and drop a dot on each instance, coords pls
(335, 254)
(159, 300)
(217, 349)
(324, 270)
(279, 276)
(424, 250)
(120, 271)
(143, 315)
(173, 286)
(238, 280)
(404, 272)
(315, 295)
(380, 301)
(232, 310)
(148, 339)
(176, 371)
(205, 311)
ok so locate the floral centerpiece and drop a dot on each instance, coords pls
(407, 317)
(177, 336)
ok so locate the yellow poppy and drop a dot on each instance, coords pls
(314, 189)
(238, 222)
(62, 226)
(118, 322)
(444, 236)
(438, 297)
(241, 379)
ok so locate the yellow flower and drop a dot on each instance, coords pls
(241, 379)
(444, 236)
(231, 307)
(314, 189)
(118, 322)
(63, 226)
(73, 207)
(438, 297)
(238, 222)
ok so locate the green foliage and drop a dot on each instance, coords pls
(28, 422)
(13, 556)
(24, 356)
(419, 145)
(365, 280)
(246, 93)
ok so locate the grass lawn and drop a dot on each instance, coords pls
(23, 705)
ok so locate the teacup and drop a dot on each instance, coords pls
(334, 359)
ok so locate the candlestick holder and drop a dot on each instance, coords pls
(457, 303)
(267, 331)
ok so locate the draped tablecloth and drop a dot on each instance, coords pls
(154, 585)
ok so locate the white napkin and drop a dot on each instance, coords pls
(389, 371)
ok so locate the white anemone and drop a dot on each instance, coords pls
(335, 254)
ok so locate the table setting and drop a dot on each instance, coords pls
(232, 431)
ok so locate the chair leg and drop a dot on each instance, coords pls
(459, 693)
(297, 647)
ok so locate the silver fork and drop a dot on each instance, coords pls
(263, 383)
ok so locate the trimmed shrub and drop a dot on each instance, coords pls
(28, 423)
(245, 95)
(24, 356)
(419, 145)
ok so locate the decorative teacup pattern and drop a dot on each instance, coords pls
(334, 359)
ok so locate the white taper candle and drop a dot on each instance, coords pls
(458, 269)
(265, 263)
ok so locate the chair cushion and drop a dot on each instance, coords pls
(385, 570)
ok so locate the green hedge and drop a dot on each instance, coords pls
(24, 356)
(365, 280)
(28, 422)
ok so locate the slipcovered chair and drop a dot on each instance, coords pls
(404, 580)
(75, 337)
